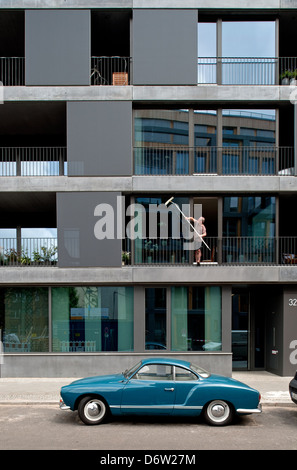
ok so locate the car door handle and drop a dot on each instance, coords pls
(169, 389)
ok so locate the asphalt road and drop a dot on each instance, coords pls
(46, 427)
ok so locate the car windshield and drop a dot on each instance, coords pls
(129, 372)
(200, 371)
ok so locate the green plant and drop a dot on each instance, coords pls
(44, 255)
(12, 255)
(25, 258)
(289, 74)
(150, 247)
(125, 256)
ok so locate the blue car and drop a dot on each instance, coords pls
(160, 386)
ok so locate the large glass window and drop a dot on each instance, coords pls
(249, 141)
(155, 318)
(24, 319)
(249, 229)
(161, 140)
(162, 234)
(245, 56)
(92, 318)
(196, 318)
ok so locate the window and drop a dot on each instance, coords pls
(196, 318)
(24, 319)
(155, 318)
(154, 372)
(183, 374)
(92, 319)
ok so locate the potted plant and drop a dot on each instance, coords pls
(150, 248)
(125, 257)
(288, 77)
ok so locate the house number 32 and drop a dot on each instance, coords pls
(292, 302)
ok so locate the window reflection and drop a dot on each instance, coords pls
(196, 318)
(92, 318)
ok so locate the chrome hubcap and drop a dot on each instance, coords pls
(218, 411)
(94, 410)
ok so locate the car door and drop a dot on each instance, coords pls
(150, 391)
(186, 385)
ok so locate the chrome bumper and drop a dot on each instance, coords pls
(63, 406)
(250, 411)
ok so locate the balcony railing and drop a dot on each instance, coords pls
(115, 70)
(32, 161)
(222, 251)
(246, 70)
(12, 71)
(28, 252)
(110, 70)
(178, 160)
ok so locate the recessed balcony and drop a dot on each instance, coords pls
(33, 161)
(247, 70)
(28, 252)
(220, 251)
(182, 160)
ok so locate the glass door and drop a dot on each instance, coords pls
(240, 328)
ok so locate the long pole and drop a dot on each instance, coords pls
(170, 201)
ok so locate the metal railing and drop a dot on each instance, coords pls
(110, 70)
(115, 70)
(246, 70)
(12, 71)
(183, 160)
(222, 251)
(33, 161)
(28, 252)
(237, 70)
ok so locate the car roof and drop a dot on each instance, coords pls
(166, 360)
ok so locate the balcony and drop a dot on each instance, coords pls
(32, 161)
(233, 251)
(182, 160)
(28, 252)
(247, 70)
(110, 71)
(12, 71)
(223, 251)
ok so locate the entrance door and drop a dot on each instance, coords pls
(248, 327)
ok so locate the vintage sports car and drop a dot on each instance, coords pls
(160, 386)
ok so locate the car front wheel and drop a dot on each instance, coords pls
(92, 410)
(218, 413)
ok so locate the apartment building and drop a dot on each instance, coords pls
(110, 109)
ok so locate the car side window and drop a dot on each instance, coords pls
(184, 374)
(154, 372)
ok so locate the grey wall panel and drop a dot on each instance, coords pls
(165, 47)
(78, 242)
(57, 47)
(99, 138)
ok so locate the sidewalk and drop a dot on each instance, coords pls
(274, 389)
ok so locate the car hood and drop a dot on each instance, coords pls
(98, 379)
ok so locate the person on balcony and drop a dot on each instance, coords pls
(199, 233)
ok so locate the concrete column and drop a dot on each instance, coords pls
(226, 319)
(139, 319)
(219, 141)
(219, 52)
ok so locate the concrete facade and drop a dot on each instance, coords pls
(100, 143)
